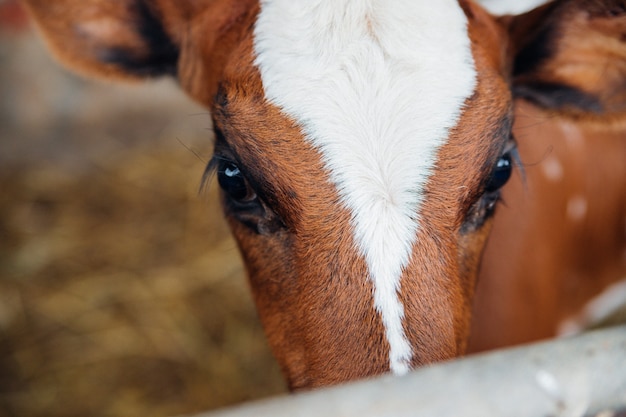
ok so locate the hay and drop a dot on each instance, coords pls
(121, 290)
(123, 294)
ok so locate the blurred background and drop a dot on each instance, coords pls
(121, 290)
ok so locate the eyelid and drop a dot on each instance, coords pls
(509, 149)
(512, 149)
(510, 145)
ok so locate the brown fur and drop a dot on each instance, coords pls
(540, 266)
(438, 286)
(79, 33)
(309, 282)
(577, 48)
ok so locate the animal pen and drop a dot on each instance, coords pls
(117, 320)
(573, 377)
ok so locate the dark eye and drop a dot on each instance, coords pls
(500, 174)
(485, 206)
(233, 182)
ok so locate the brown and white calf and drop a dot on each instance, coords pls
(361, 146)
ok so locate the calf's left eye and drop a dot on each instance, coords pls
(233, 182)
(500, 174)
(485, 206)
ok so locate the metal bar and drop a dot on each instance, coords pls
(573, 377)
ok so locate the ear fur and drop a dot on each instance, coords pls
(570, 56)
(135, 39)
(114, 39)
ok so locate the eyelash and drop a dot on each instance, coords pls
(209, 172)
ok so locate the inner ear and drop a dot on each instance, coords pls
(147, 51)
(570, 56)
(114, 39)
(134, 39)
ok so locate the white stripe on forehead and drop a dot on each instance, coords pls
(375, 85)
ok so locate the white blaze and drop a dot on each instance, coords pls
(375, 86)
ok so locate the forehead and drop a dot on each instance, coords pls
(366, 70)
(384, 75)
(371, 83)
(375, 86)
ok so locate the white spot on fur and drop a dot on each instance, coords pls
(574, 137)
(502, 7)
(552, 169)
(375, 86)
(597, 310)
(577, 207)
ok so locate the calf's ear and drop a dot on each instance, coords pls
(570, 56)
(135, 39)
(107, 38)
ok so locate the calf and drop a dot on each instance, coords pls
(362, 147)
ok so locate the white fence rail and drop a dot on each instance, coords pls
(574, 377)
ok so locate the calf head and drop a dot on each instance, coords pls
(360, 146)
